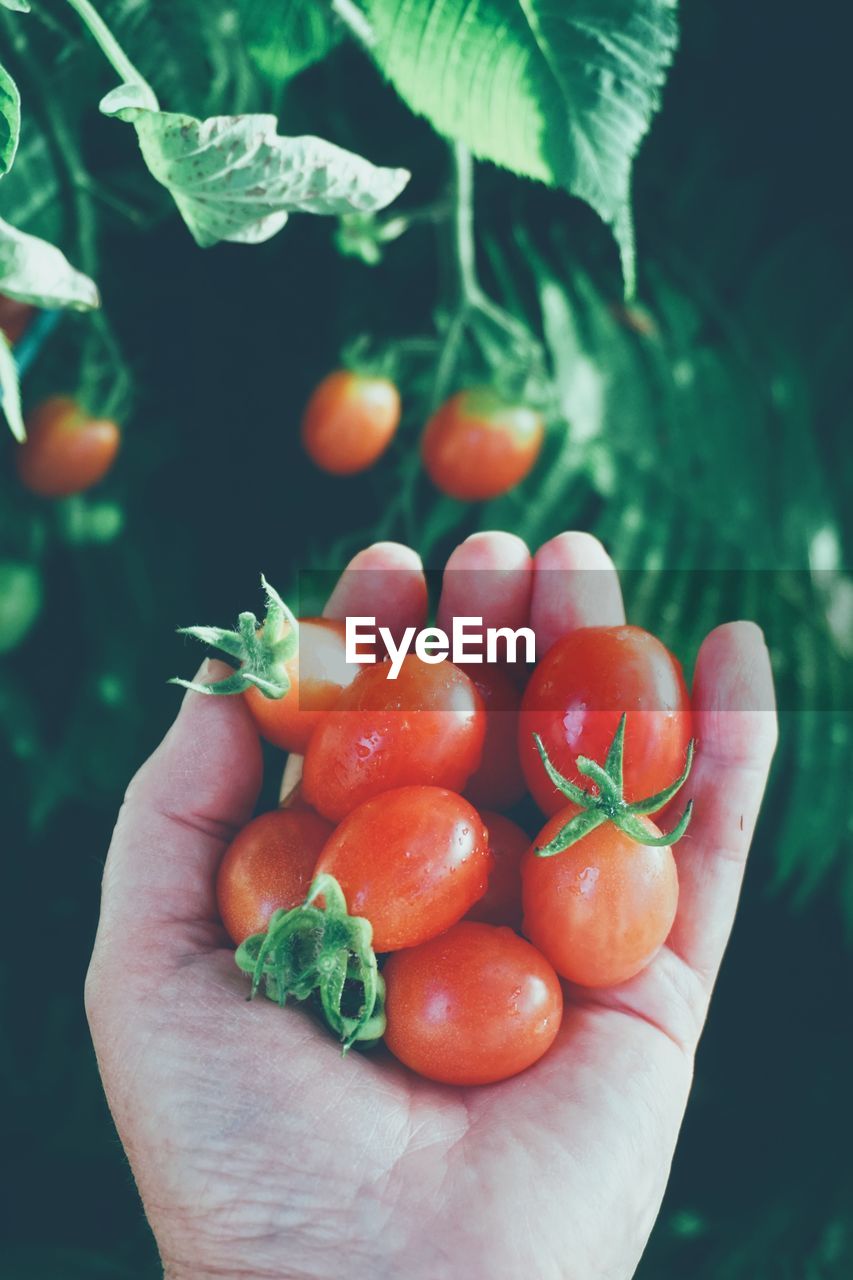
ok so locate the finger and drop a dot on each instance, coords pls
(575, 584)
(385, 582)
(488, 576)
(181, 811)
(736, 731)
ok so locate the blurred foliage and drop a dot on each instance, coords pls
(704, 436)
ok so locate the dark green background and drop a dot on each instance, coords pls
(742, 210)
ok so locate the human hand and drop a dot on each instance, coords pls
(260, 1152)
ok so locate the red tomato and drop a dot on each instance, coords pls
(349, 421)
(267, 867)
(476, 1005)
(476, 447)
(501, 903)
(498, 783)
(576, 696)
(411, 861)
(602, 908)
(65, 451)
(318, 672)
(426, 727)
(14, 317)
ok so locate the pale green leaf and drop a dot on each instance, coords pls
(558, 90)
(10, 390)
(234, 178)
(17, 6)
(34, 271)
(20, 602)
(284, 37)
(10, 120)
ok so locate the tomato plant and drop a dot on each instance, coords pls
(602, 908)
(427, 726)
(350, 421)
(477, 447)
(501, 903)
(268, 867)
(411, 861)
(317, 673)
(65, 451)
(473, 1006)
(576, 696)
(498, 782)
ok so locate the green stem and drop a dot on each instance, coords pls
(110, 47)
(464, 266)
(68, 161)
(463, 224)
(355, 22)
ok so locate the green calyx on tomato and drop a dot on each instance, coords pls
(261, 651)
(321, 950)
(608, 803)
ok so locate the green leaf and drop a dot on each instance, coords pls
(285, 38)
(17, 6)
(20, 602)
(234, 178)
(10, 390)
(10, 120)
(35, 271)
(562, 92)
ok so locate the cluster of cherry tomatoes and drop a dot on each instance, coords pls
(395, 841)
(474, 447)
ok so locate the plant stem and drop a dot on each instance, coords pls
(463, 223)
(110, 47)
(464, 266)
(355, 22)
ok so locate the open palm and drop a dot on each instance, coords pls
(259, 1151)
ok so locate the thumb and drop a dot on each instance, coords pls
(181, 811)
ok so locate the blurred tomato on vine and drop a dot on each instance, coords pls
(476, 446)
(66, 450)
(349, 421)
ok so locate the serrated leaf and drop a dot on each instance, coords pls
(561, 92)
(234, 178)
(10, 390)
(10, 120)
(34, 271)
(284, 37)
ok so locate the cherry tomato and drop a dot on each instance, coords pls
(498, 783)
(574, 701)
(501, 903)
(473, 1006)
(411, 861)
(267, 867)
(15, 317)
(476, 447)
(426, 727)
(318, 672)
(349, 421)
(65, 451)
(602, 908)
